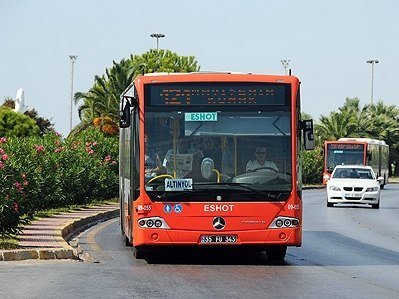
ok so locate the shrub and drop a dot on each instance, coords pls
(50, 172)
(312, 166)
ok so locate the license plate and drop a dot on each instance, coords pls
(205, 239)
(353, 195)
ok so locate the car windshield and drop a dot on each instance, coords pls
(353, 173)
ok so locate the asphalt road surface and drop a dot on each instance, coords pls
(348, 252)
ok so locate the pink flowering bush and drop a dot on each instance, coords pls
(38, 173)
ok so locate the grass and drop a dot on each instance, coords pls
(9, 243)
(12, 241)
(51, 212)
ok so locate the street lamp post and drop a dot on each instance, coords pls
(157, 36)
(372, 62)
(73, 59)
(285, 63)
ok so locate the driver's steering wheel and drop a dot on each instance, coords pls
(264, 167)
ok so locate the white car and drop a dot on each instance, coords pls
(353, 184)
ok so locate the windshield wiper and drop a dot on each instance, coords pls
(196, 129)
(268, 194)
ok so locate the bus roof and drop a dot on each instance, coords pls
(214, 77)
(366, 140)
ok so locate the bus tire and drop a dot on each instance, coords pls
(330, 204)
(276, 253)
(127, 242)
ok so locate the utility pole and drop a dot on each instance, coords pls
(157, 36)
(285, 63)
(372, 62)
(73, 59)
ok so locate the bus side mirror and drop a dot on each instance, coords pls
(124, 113)
(308, 137)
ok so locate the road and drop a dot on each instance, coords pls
(347, 252)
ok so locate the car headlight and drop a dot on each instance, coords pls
(335, 188)
(372, 189)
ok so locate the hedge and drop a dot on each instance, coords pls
(38, 173)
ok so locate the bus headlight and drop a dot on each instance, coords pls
(153, 222)
(283, 222)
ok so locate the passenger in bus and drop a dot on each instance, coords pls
(152, 161)
(210, 150)
(260, 163)
(188, 160)
(228, 159)
(149, 162)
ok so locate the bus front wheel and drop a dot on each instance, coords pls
(127, 242)
(276, 253)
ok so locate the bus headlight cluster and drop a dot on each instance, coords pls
(152, 222)
(283, 222)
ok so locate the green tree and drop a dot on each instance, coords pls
(102, 100)
(376, 121)
(16, 124)
(9, 102)
(45, 125)
(384, 122)
(162, 61)
(349, 121)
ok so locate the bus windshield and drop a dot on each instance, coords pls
(344, 154)
(249, 150)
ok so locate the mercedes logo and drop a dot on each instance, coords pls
(219, 223)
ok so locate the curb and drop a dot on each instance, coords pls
(63, 234)
(310, 187)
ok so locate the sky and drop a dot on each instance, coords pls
(327, 43)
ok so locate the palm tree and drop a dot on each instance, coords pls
(349, 121)
(102, 100)
(385, 125)
(335, 126)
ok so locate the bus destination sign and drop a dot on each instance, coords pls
(345, 146)
(213, 93)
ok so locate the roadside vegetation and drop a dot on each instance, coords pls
(377, 121)
(42, 172)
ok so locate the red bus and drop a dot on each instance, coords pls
(357, 151)
(185, 145)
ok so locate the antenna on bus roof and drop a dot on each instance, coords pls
(289, 72)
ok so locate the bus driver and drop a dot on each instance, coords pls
(260, 161)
